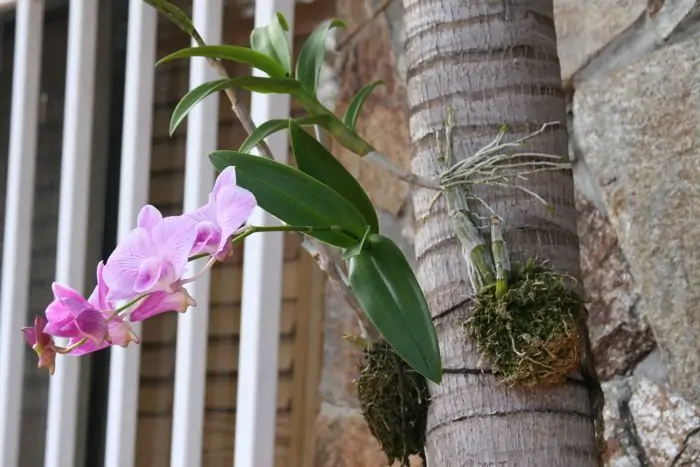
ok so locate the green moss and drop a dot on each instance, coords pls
(530, 334)
(394, 401)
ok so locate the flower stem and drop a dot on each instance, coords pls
(65, 350)
(127, 305)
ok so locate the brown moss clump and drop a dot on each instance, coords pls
(394, 399)
(530, 334)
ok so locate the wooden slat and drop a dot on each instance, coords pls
(156, 397)
(221, 394)
(227, 283)
(225, 320)
(222, 355)
(308, 351)
(156, 362)
(153, 448)
(219, 433)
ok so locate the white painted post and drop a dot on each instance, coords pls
(133, 195)
(18, 222)
(192, 327)
(61, 425)
(256, 407)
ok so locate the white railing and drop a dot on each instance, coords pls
(260, 308)
(192, 334)
(122, 405)
(19, 207)
(71, 248)
(262, 293)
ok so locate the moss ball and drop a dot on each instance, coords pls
(394, 399)
(530, 334)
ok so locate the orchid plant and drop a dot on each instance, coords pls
(143, 277)
(318, 198)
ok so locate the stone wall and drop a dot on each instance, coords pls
(633, 67)
(632, 71)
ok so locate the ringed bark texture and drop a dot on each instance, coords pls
(492, 62)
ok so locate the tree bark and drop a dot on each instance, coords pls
(492, 62)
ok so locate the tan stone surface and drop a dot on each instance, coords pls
(638, 131)
(663, 421)
(343, 440)
(384, 119)
(620, 336)
(340, 358)
(583, 28)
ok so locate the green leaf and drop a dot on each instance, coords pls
(316, 161)
(250, 83)
(273, 126)
(178, 17)
(294, 197)
(312, 55)
(234, 53)
(357, 249)
(390, 295)
(271, 40)
(353, 110)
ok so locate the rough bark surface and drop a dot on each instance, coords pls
(492, 62)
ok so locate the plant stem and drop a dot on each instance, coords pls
(399, 172)
(474, 248)
(500, 257)
(250, 230)
(327, 259)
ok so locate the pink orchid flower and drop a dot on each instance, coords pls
(70, 315)
(118, 330)
(151, 260)
(228, 208)
(42, 343)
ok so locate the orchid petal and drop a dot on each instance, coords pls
(59, 315)
(174, 237)
(40, 335)
(47, 359)
(233, 208)
(208, 238)
(98, 298)
(161, 302)
(150, 272)
(65, 328)
(205, 213)
(120, 333)
(226, 179)
(29, 335)
(149, 216)
(122, 268)
(66, 294)
(93, 325)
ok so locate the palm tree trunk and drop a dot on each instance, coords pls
(492, 62)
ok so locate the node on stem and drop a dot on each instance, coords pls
(529, 333)
(394, 401)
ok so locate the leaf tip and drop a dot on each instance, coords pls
(283, 21)
(337, 23)
(172, 128)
